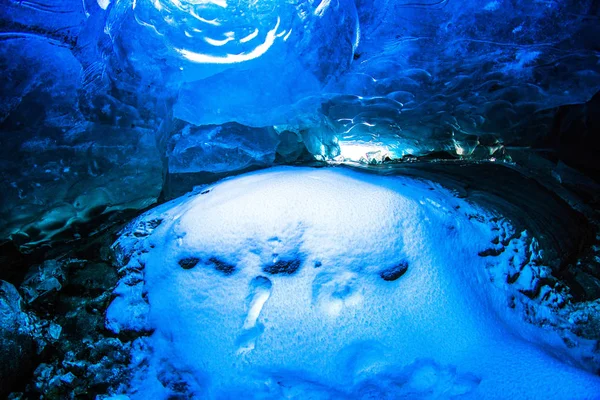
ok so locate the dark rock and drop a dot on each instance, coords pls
(188, 262)
(79, 359)
(586, 316)
(68, 378)
(43, 282)
(395, 272)
(491, 252)
(287, 267)
(145, 228)
(510, 279)
(95, 368)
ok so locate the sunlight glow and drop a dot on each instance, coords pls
(233, 58)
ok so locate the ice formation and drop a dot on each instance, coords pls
(336, 284)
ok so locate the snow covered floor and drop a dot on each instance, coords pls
(330, 284)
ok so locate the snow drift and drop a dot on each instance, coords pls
(333, 284)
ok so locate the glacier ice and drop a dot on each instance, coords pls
(220, 148)
(332, 283)
(271, 54)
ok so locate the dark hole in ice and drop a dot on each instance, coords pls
(395, 272)
(287, 267)
(34, 232)
(96, 211)
(188, 262)
(222, 266)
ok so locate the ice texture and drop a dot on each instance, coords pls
(220, 148)
(268, 55)
(332, 283)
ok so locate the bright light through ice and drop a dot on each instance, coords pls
(220, 3)
(218, 43)
(355, 152)
(320, 10)
(103, 4)
(179, 4)
(250, 36)
(233, 58)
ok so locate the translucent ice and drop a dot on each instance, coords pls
(267, 54)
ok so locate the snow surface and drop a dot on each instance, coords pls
(329, 284)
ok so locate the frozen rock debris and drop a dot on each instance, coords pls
(335, 284)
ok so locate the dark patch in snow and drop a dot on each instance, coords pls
(188, 262)
(154, 223)
(510, 279)
(287, 267)
(534, 292)
(491, 252)
(222, 266)
(476, 217)
(395, 272)
(512, 302)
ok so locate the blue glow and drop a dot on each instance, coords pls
(340, 284)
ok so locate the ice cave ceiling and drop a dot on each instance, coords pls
(105, 104)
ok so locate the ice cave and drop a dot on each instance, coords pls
(300, 199)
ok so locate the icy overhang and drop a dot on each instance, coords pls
(419, 77)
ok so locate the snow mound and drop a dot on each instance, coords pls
(332, 284)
